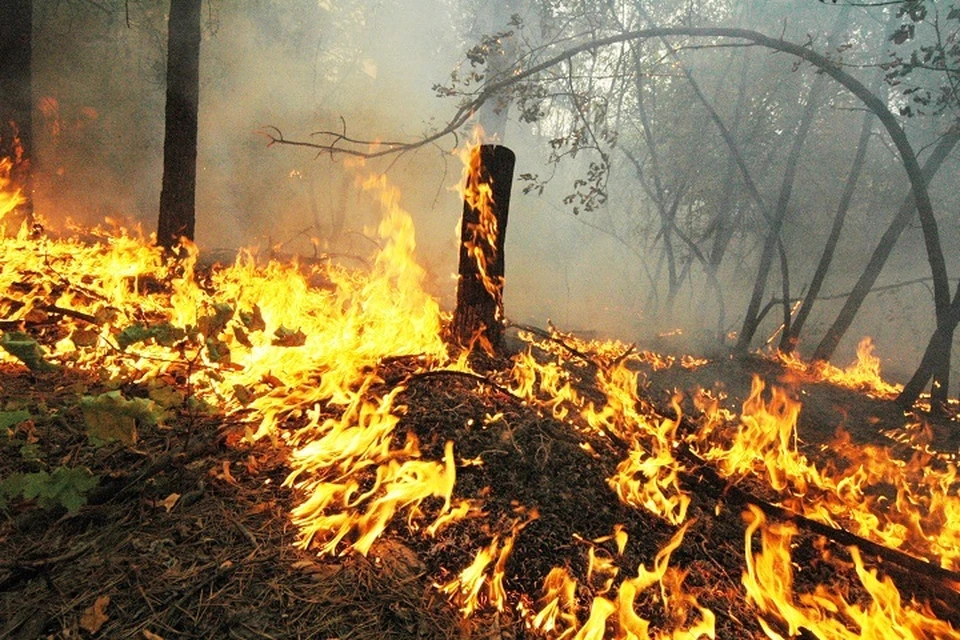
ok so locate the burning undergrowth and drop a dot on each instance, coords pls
(292, 450)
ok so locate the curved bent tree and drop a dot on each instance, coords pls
(341, 143)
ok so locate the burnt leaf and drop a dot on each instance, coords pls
(212, 324)
(25, 349)
(284, 337)
(253, 320)
(164, 334)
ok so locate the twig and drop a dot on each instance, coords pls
(459, 374)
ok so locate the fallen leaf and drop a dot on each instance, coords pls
(110, 416)
(169, 502)
(11, 418)
(85, 337)
(25, 349)
(226, 473)
(148, 635)
(93, 617)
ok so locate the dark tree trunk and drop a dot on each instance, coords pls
(828, 344)
(178, 194)
(16, 98)
(751, 320)
(479, 312)
(792, 336)
(935, 362)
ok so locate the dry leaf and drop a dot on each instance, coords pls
(226, 473)
(169, 502)
(93, 617)
(148, 635)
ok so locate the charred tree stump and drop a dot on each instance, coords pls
(16, 100)
(179, 182)
(478, 317)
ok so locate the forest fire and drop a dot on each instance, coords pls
(341, 368)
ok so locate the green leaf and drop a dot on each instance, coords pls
(25, 349)
(211, 325)
(65, 487)
(110, 416)
(68, 486)
(30, 451)
(10, 487)
(164, 334)
(11, 418)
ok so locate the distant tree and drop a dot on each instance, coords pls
(16, 100)
(178, 192)
(927, 70)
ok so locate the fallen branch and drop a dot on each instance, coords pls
(702, 475)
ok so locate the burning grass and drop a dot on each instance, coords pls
(284, 450)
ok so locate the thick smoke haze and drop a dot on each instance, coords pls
(303, 65)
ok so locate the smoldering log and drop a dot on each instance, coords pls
(478, 315)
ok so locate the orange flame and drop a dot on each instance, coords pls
(481, 237)
(10, 199)
(556, 617)
(862, 375)
(826, 613)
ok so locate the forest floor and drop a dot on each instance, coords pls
(187, 533)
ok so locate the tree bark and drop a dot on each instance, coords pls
(792, 337)
(751, 320)
(828, 344)
(16, 98)
(178, 194)
(935, 362)
(478, 315)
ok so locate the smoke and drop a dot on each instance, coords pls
(367, 69)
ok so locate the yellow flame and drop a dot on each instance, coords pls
(479, 585)
(556, 616)
(826, 613)
(480, 237)
(863, 374)
(922, 517)
(10, 199)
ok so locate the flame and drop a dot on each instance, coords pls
(296, 352)
(923, 517)
(10, 199)
(556, 617)
(826, 613)
(480, 237)
(284, 354)
(479, 584)
(862, 375)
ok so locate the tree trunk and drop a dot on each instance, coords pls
(751, 320)
(16, 99)
(935, 362)
(828, 344)
(178, 194)
(792, 337)
(479, 312)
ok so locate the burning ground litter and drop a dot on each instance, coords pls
(291, 450)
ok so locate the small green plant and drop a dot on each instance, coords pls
(64, 487)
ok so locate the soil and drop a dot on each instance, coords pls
(220, 560)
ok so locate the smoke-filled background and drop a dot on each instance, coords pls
(633, 195)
